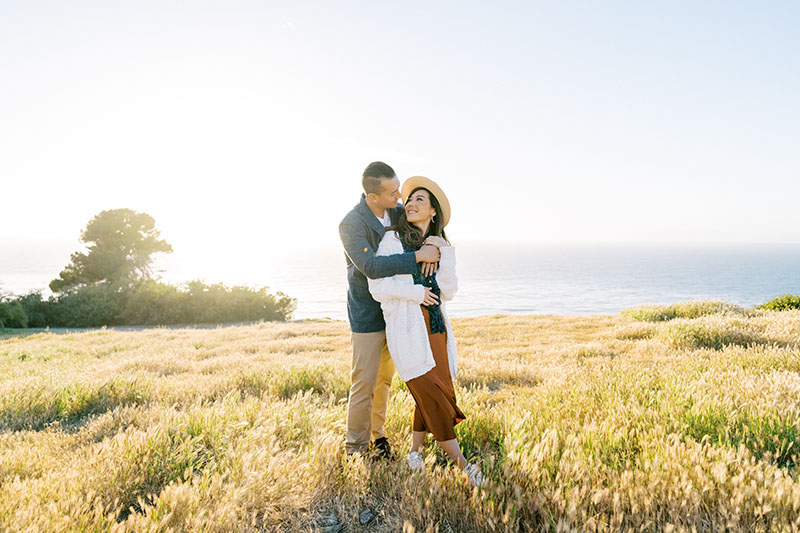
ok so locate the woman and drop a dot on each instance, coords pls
(418, 332)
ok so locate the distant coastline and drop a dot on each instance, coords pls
(501, 278)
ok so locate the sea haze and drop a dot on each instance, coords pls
(524, 279)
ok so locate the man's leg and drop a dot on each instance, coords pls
(364, 375)
(385, 375)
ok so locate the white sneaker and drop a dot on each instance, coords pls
(474, 474)
(415, 461)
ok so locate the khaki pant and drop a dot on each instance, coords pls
(371, 376)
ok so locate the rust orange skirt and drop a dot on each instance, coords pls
(436, 411)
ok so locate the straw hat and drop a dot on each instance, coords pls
(416, 182)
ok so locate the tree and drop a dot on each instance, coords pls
(12, 315)
(121, 243)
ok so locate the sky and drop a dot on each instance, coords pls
(243, 127)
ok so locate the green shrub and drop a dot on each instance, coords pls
(149, 303)
(782, 303)
(662, 313)
(218, 303)
(38, 310)
(12, 315)
(87, 307)
(155, 303)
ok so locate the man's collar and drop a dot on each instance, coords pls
(371, 219)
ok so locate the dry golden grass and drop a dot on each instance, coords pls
(606, 423)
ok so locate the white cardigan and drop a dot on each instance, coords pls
(406, 334)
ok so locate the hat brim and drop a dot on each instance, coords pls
(415, 182)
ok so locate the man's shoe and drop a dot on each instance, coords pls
(415, 461)
(383, 448)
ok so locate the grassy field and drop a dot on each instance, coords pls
(662, 418)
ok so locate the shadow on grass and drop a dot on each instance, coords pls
(285, 383)
(769, 436)
(496, 379)
(27, 332)
(70, 405)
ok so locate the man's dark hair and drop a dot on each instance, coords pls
(374, 175)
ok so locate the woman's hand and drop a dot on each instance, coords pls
(436, 241)
(430, 298)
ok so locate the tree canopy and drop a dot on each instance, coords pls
(12, 313)
(121, 243)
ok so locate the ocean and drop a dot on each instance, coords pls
(524, 279)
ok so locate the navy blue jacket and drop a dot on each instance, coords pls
(361, 233)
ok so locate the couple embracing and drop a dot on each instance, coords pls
(400, 271)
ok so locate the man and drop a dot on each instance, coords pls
(361, 231)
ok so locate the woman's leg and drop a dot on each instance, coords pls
(417, 438)
(452, 449)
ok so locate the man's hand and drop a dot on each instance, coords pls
(430, 298)
(429, 269)
(428, 254)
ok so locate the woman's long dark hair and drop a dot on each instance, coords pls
(410, 234)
